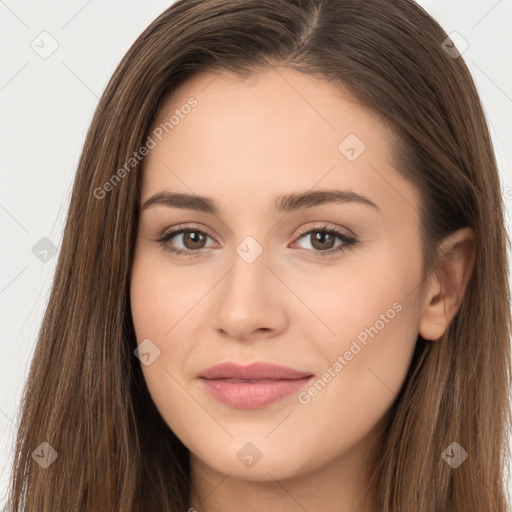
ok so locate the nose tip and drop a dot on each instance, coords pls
(248, 306)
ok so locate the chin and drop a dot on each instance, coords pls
(256, 461)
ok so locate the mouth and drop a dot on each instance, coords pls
(254, 386)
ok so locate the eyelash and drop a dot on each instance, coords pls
(347, 240)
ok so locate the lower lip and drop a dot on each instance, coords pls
(252, 395)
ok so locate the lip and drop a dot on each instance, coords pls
(252, 386)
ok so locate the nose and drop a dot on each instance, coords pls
(251, 300)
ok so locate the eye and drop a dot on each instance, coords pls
(322, 240)
(192, 240)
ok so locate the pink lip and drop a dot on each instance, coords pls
(253, 386)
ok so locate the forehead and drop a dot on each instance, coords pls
(277, 131)
(275, 97)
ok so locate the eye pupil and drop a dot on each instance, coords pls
(320, 236)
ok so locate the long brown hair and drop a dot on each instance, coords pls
(86, 396)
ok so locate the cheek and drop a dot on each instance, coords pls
(159, 308)
(367, 301)
(169, 307)
(160, 299)
(373, 318)
(361, 379)
(364, 366)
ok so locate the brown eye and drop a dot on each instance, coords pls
(184, 241)
(322, 240)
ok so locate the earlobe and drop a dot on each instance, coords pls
(448, 283)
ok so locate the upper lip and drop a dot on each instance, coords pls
(253, 371)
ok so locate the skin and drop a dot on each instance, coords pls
(246, 142)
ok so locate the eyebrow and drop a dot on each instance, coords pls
(283, 203)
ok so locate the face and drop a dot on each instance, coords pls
(269, 269)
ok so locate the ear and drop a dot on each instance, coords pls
(448, 283)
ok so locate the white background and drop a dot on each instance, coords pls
(47, 105)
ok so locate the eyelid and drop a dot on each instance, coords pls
(186, 227)
(325, 226)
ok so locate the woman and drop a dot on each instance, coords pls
(283, 281)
